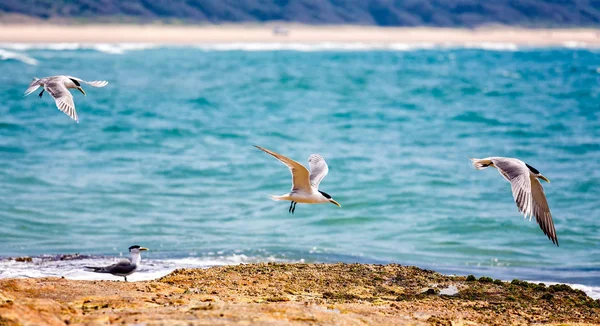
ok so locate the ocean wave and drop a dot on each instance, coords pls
(121, 48)
(9, 55)
(492, 46)
(73, 268)
(110, 48)
(580, 45)
(353, 46)
(315, 47)
(592, 291)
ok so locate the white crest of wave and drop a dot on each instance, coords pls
(492, 46)
(578, 45)
(315, 47)
(110, 48)
(150, 269)
(592, 291)
(9, 55)
(354, 46)
(120, 48)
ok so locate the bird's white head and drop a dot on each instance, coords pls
(75, 84)
(536, 173)
(134, 252)
(136, 249)
(329, 199)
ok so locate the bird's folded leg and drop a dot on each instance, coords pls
(292, 207)
(41, 93)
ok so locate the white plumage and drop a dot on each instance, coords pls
(58, 87)
(305, 184)
(526, 189)
(123, 268)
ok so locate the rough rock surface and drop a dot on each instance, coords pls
(282, 294)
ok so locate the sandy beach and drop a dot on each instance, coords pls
(172, 34)
(295, 294)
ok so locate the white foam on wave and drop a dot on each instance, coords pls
(580, 45)
(315, 47)
(592, 291)
(492, 46)
(354, 46)
(10, 55)
(120, 48)
(150, 269)
(110, 48)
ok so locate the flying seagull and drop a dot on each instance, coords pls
(305, 184)
(526, 188)
(124, 267)
(58, 87)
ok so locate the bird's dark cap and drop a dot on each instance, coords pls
(326, 195)
(134, 247)
(534, 170)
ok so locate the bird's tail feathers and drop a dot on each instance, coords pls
(94, 269)
(481, 164)
(33, 86)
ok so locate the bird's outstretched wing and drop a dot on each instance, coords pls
(62, 97)
(94, 83)
(541, 211)
(300, 175)
(528, 194)
(318, 169)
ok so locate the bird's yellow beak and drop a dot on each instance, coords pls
(335, 203)
(83, 92)
(543, 178)
(143, 249)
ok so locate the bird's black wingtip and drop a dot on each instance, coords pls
(554, 240)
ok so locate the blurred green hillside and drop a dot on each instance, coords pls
(443, 13)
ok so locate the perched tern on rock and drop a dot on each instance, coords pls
(124, 267)
(58, 87)
(526, 188)
(305, 184)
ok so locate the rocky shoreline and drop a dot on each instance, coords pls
(277, 293)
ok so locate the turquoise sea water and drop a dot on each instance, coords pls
(163, 156)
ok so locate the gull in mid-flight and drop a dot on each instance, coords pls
(124, 267)
(58, 87)
(305, 184)
(526, 188)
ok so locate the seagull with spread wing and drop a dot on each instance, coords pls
(124, 267)
(58, 87)
(526, 188)
(305, 184)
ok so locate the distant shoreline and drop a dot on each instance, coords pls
(305, 34)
